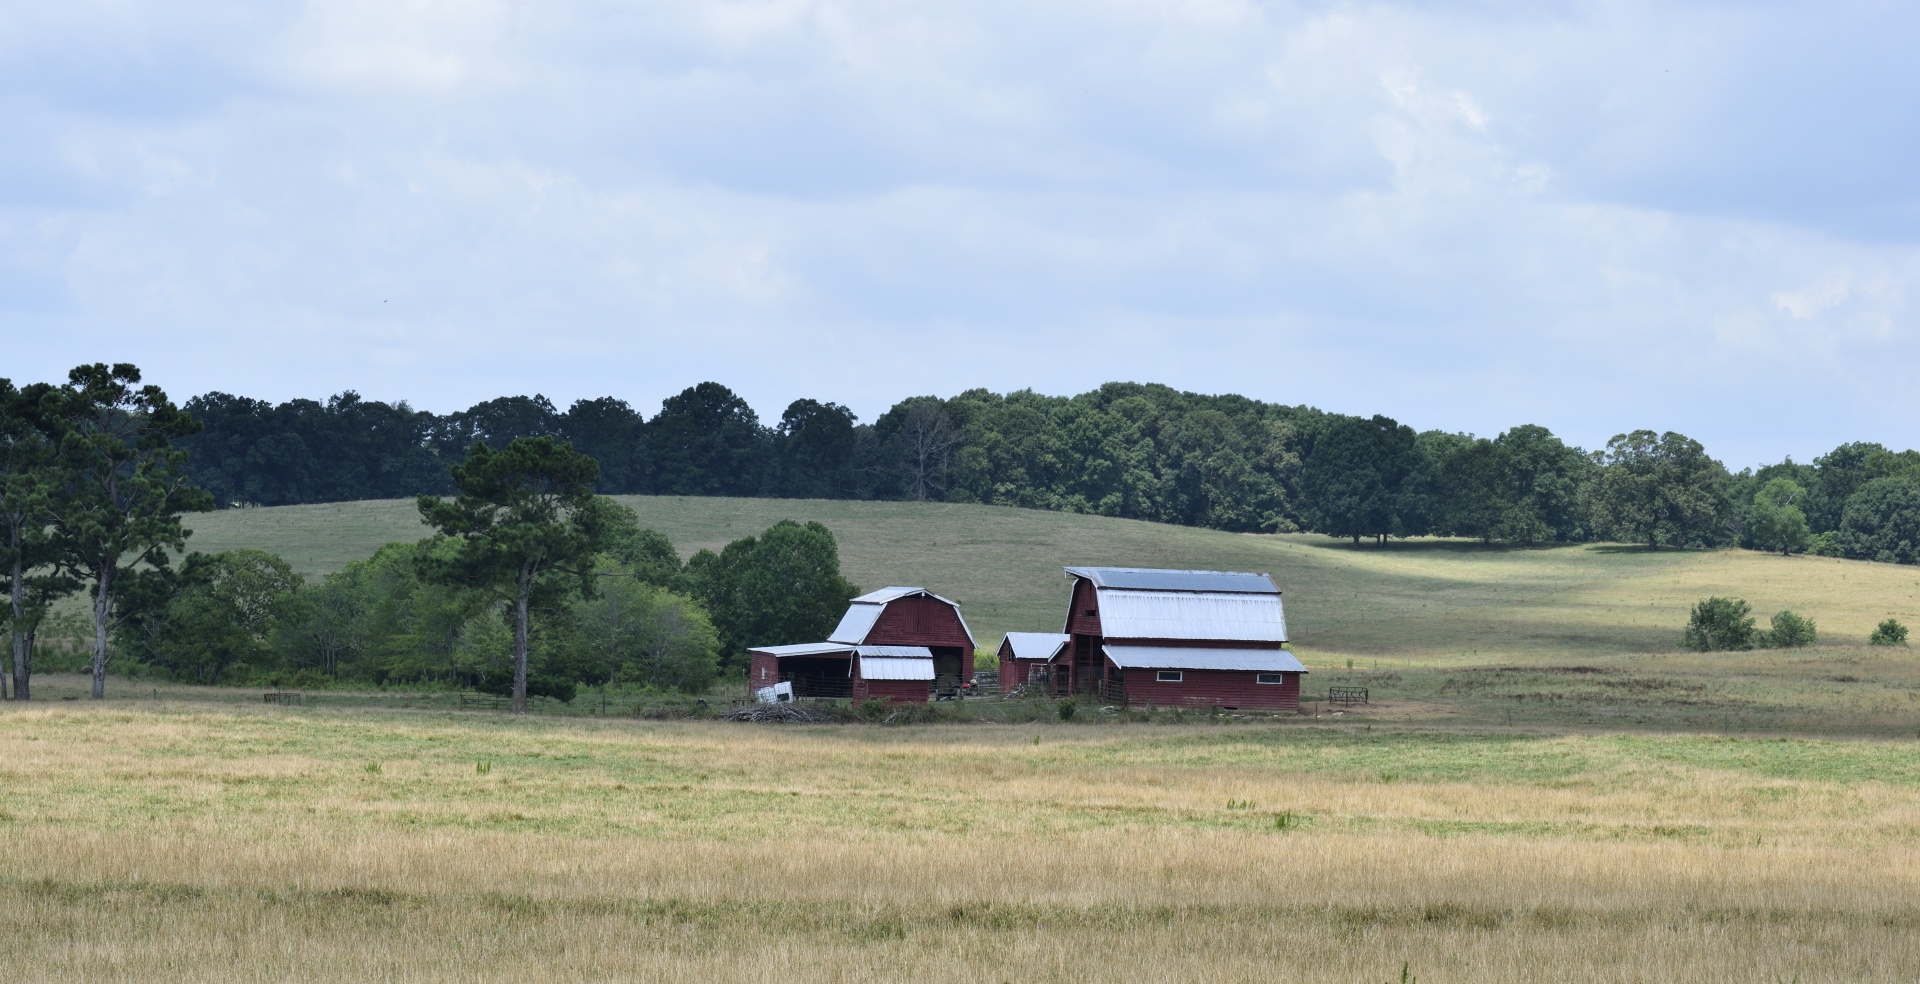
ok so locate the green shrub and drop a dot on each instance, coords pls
(1720, 624)
(1067, 708)
(500, 684)
(1889, 633)
(1789, 631)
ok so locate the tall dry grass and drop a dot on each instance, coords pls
(174, 844)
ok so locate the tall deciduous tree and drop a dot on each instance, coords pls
(781, 587)
(815, 448)
(1778, 523)
(217, 614)
(1475, 490)
(1544, 478)
(923, 439)
(613, 434)
(1362, 477)
(1882, 521)
(527, 526)
(706, 441)
(1659, 485)
(29, 488)
(126, 489)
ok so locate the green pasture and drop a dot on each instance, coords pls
(1425, 601)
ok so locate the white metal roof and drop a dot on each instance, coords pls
(893, 593)
(805, 649)
(1193, 658)
(1157, 579)
(897, 652)
(865, 610)
(856, 623)
(1037, 645)
(1188, 615)
(891, 668)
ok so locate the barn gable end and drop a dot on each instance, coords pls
(1140, 635)
(882, 628)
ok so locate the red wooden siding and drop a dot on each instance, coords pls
(923, 621)
(1016, 672)
(1225, 688)
(1084, 601)
(919, 621)
(909, 691)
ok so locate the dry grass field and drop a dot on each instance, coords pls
(1544, 788)
(184, 841)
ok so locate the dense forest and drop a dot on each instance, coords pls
(1137, 451)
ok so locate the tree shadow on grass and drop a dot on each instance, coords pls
(1641, 548)
(1430, 545)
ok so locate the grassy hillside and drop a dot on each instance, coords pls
(1416, 603)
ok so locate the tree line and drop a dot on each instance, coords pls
(615, 608)
(534, 581)
(1129, 450)
(529, 582)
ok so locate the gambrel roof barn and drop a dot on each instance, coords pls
(1143, 635)
(897, 643)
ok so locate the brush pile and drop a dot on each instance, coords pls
(782, 713)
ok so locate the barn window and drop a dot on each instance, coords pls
(1271, 678)
(1168, 676)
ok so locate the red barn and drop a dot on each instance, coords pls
(1027, 659)
(1140, 636)
(894, 643)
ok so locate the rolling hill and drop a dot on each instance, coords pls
(1432, 603)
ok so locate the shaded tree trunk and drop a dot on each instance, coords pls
(102, 613)
(21, 650)
(524, 590)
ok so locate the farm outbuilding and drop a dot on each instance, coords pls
(1027, 659)
(895, 643)
(1170, 637)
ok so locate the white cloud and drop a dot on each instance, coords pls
(1832, 291)
(1596, 216)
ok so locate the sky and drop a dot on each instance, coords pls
(1599, 216)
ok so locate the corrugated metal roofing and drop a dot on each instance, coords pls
(893, 593)
(865, 610)
(1185, 615)
(1192, 658)
(898, 652)
(856, 623)
(805, 649)
(887, 668)
(1037, 645)
(1155, 579)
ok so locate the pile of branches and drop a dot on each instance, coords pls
(782, 713)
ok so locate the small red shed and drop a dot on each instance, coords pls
(1027, 659)
(1170, 637)
(896, 643)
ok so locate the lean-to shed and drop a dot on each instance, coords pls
(1171, 637)
(1027, 659)
(896, 643)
